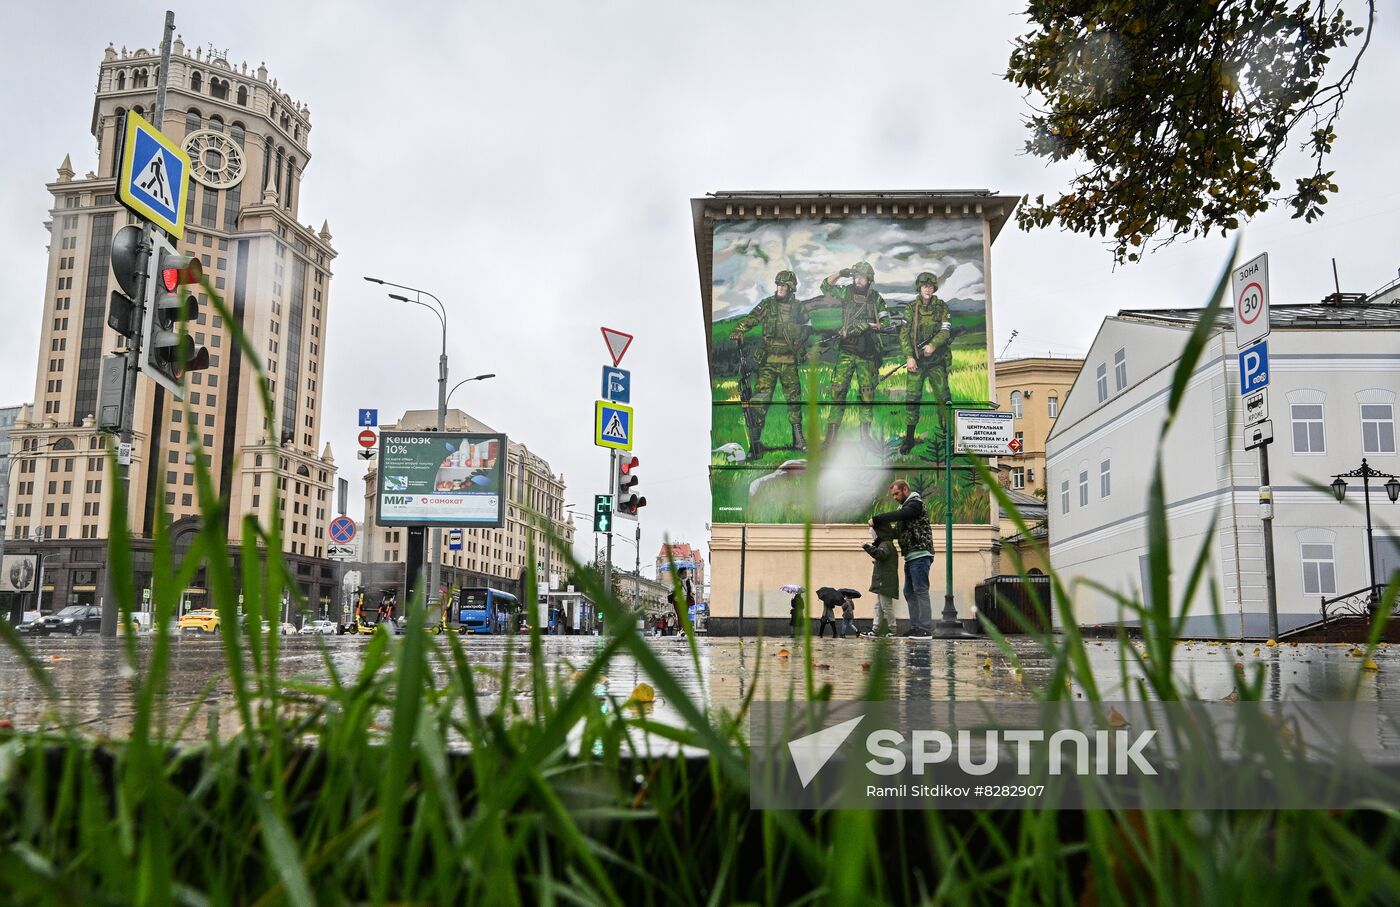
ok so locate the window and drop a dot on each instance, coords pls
(1120, 369)
(196, 82)
(1308, 434)
(1103, 382)
(1105, 484)
(1377, 421)
(1016, 404)
(1319, 569)
(1021, 440)
(1083, 485)
(1018, 477)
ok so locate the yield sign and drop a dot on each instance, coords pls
(618, 342)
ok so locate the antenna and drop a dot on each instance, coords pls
(1008, 344)
(1337, 284)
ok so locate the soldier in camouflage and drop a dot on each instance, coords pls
(926, 339)
(862, 310)
(784, 346)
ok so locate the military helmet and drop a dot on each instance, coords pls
(788, 278)
(924, 278)
(864, 269)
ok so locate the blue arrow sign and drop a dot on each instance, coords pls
(1254, 368)
(369, 418)
(617, 384)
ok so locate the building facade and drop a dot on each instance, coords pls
(8, 416)
(685, 557)
(1032, 389)
(1334, 379)
(489, 557)
(250, 140)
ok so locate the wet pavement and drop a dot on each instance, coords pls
(96, 687)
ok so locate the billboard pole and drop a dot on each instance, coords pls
(949, 627)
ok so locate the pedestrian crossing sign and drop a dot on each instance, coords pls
(612, 425)
(153, 180)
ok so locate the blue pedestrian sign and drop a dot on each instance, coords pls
(153, 180)
(1254, 368)
(612, 425)
(369, 418)
(617, 384)
(454, 540)
(342, 530)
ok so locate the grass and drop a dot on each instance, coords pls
(346, 792)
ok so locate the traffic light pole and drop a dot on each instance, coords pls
(133, 353)
(607, 563)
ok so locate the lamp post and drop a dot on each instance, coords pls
(441, 312)
(1392, 491)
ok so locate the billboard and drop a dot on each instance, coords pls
(441, 479)
(19, 573)
(871, 321)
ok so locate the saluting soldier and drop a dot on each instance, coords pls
(926, 339)
(785, 332)
(858, 344)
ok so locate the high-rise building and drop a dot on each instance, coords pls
(8, 416)
(249, 140)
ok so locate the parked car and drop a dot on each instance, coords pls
(74, 620)
(201, 620)
(319, 628)
(288, 629)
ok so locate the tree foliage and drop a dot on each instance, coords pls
(1181, 110)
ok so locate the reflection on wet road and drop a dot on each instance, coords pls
(96, 688)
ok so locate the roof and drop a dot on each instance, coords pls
(1346, 316)
(1040, 532)
(679, 551)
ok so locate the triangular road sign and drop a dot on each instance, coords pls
(810, 753)
(614, 429)
(154, 181)
(618, 342)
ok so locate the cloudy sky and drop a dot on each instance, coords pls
(532, 164)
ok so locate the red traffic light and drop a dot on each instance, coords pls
(629, 465)
(179, 269)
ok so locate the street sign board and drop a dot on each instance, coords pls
(368, 418)
(612, 425)
(1249, 285)
(1256, 407)
(617, 384)
(368, 439)
(368, 454)
(1254, 368)
(1259, 434)
(617, 342)
(450, 479)
(153, 180)
(342, 530)
(984, 432)
(340, 552)
(454, 540)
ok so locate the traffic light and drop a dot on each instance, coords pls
(602, 513)
(167, 352)
(628, 501)
(126, 261)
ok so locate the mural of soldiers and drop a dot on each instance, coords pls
(926, 339)
(862, 309)
(785, 332)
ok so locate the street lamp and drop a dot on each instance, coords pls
(468, 380)
(1392, 491)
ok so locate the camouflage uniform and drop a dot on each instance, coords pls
(785, 335)
(859, 349)
(927, 323)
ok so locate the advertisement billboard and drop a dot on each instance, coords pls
(441, 479)
(854, 329)
(19, 573)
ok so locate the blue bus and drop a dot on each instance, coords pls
(485, 610)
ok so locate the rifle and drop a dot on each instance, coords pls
(831, 335)
(751, 423)
(953, 334)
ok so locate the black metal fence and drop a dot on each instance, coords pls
(1002, 599)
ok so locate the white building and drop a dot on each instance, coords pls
(1334, 377)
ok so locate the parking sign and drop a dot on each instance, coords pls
(1254, 368)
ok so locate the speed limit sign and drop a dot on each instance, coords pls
(1249, 284)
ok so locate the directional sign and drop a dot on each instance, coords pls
(1254, 368)
(342, 530)
(1258, 435)
(617, 342)
(368, 454)
(617, 384)
(369, 418)
(154, 177)
(1250, 285)
(985, 433)
(368, 438)
(1256, 407)
(612, 425)
(454, 540)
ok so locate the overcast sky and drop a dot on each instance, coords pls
(532, 164)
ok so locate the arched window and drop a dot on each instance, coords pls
(216, 122)
(1016, 404)
(121, 81)
(257, 459)
(94, 442)
(303, 471)
(277, 181)
(196, 82)
(192, 121)
(219, 88)
(267, 162)
(139, 78)
(120, 114)
(243, 95)
(1053, 406)
(235, 132)
(291, 170)
(64, 443)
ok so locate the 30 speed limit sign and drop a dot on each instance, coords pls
(1250, 286)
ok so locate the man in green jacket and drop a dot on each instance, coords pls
(916, 544)
(926, 339)
(784, 346)
(862, 311)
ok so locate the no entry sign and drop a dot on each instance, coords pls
(368, 438)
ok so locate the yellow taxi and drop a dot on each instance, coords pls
(200, 620)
